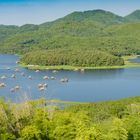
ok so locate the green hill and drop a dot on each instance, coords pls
(93, 30)
(101, 16)
(134, 17)
(6, 31)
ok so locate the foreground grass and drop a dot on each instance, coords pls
(127, 64)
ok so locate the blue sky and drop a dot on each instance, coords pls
(19, 12)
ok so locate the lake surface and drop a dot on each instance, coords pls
(137, 60)
(90, 86)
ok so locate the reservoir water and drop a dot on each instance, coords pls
(88, 86)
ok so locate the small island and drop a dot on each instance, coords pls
(125, 64)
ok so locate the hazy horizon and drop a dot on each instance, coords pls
(20, 12)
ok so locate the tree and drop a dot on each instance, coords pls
(92, 133)
(133, 127)
(31, 133)
(118, 131)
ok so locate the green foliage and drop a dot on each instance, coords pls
(85, 58)
(118, 131)
(74, 122)
(7, 136)
(31, 133)
(133, 127)
(91, 133)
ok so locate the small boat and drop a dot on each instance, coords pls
(2, 85)
(17, 62)
(45, 77)
(40, 85)
(3, 77)
(53, 78)
(12, 89)
(54, 71)
(42, 88)
(76, 69)
(45, 85)
(37, 71)
(8, 68)
(30, 77)
(82, 70)
(64, 80)
(17, 88)
(16, 70)
(13, 76)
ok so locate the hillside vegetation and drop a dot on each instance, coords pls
(96, 31)
(37, 120)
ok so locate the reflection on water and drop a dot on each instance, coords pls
(92, 85)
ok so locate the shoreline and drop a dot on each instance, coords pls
(127, 64)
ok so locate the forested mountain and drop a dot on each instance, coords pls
(93, 30)
(134, 17)
(6, 31)
(101, 16)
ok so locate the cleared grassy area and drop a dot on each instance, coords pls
(128, 64)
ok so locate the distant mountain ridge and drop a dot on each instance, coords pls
(101, 16)
(98, 29)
